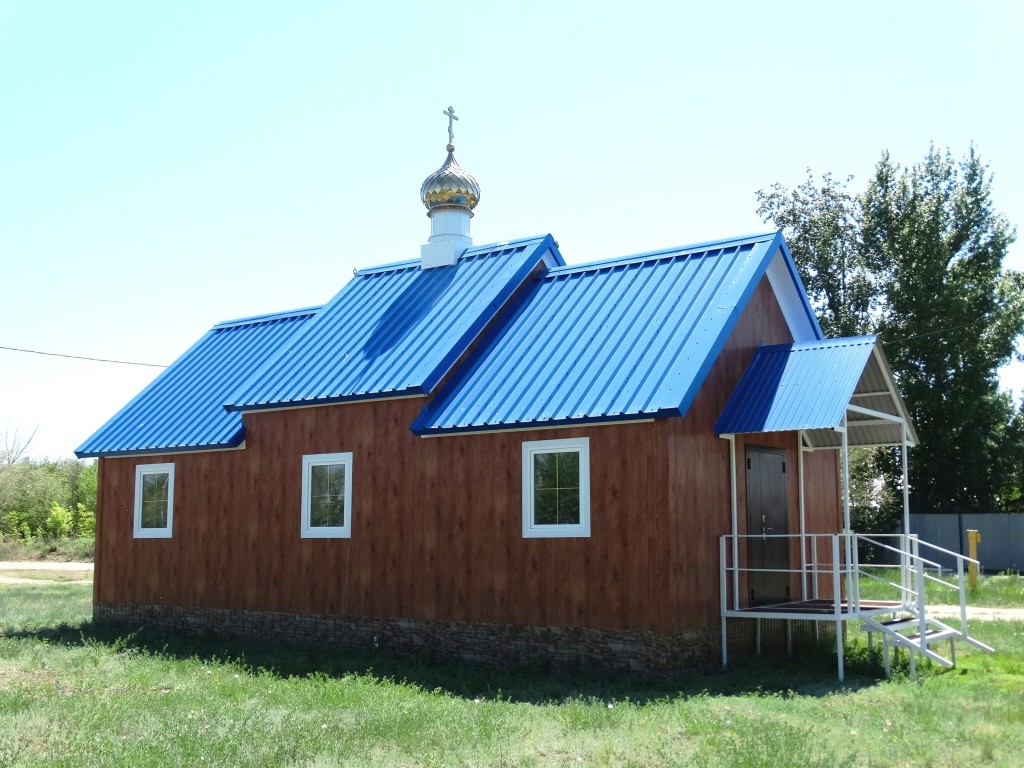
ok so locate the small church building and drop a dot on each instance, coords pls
(491, 454)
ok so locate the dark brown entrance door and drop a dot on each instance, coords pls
(767, 516)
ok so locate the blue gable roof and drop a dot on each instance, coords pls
(181, 410)
(394, 330)
(624, 339)
(628, 338)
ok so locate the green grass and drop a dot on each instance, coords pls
(65, 550)
(26, 609)
(73, 695)
(1003, 590)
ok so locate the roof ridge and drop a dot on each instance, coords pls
(682, 250)
(848, 341)
(253, 319)
(473, 250)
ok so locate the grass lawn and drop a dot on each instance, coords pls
(1003, 590)
(47, 575)
(71, 695)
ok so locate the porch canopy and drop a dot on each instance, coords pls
(821, 388)
(836, 393)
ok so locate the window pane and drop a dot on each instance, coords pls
(327, 513)
(154, 486)
(545, 507)
(154, 514)
(568, 469)
(545, 470)
(556, 484)
(327, 496)
(154, 500)
(318, 480)
(336, 480)
(569, 506)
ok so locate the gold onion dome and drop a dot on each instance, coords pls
(450, 187)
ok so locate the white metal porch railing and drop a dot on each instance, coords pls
(830, 574)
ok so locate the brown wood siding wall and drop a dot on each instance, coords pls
(437, 522)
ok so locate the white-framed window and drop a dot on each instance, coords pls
(556, 488)
(327, 496)
(154, 501)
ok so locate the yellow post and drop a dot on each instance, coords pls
(973, 539)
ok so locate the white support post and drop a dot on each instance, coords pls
(735, 526)
(904, 567)
(906, 480)
(853, 596)
(837, 604)
(846, 506)
(803, 515)
(906, 500)
(814, 569)
(724, 598)
(963, 596)
(922, 616)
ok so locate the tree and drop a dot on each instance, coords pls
(821, 225)
(30, 490)
(13, 444)
(917, 258)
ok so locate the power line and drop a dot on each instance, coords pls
(943, 330)
(80, 357)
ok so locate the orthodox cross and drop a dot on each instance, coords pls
(451, 116)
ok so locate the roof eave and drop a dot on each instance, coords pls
(397, 394)
(521, 426)
(234, 441)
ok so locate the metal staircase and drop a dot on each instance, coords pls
(909, 625)
(830, 578)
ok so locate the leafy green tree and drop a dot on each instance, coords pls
(86, 488)
(822, 224)
(917, 258)
(29, 491)
(952, 318)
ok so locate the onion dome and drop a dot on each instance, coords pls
(450, 187)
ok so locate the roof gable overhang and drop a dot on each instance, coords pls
(180, 411)
(822, 389)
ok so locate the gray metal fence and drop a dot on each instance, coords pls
(1002, 537)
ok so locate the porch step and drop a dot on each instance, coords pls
(933, 636)
(893, 624)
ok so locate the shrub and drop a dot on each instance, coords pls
(58, 523)
(85, 521)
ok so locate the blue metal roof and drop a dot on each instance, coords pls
(182, 409)
(393, 330)
(797, 386)
(616, 340)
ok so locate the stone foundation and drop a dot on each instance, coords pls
(641, 653)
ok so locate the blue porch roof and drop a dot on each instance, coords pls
(182, 409)
(811, 386)
(393, 330)
(624, 339)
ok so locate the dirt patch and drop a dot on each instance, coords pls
(978, 613)
(45, 572)
(43, 565)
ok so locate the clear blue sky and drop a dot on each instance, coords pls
(165, 166)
